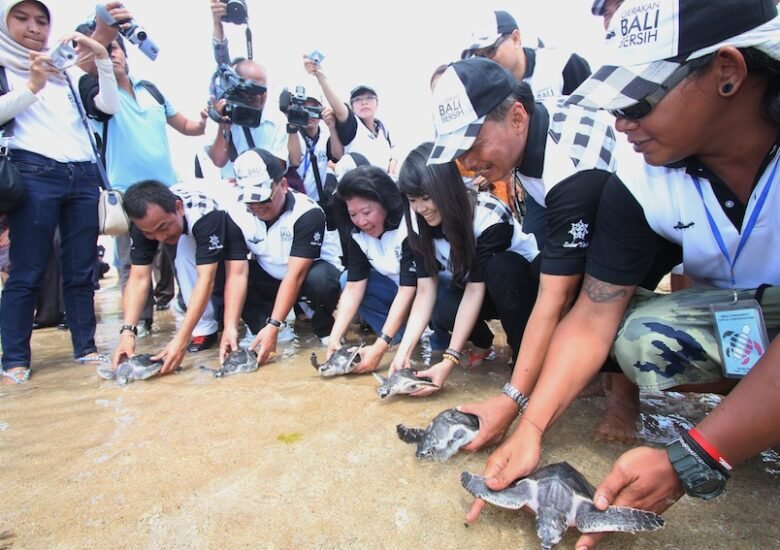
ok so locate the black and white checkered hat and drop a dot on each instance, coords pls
(256, 171)
(649, 39)
(467, 91)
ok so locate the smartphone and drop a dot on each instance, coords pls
(316, 56)
(63, 56)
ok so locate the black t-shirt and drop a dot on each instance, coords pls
(625, 250)
(209, 233)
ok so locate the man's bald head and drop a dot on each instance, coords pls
(251, 70)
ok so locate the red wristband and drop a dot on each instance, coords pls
(709, 449)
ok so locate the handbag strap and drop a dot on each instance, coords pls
(90, 135)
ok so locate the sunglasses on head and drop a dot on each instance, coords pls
(490, 51)
(644, 106)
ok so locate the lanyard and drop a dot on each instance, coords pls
(309, 154)
(748, 228)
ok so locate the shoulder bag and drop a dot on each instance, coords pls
(12, 188)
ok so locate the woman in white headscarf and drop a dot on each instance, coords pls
(50, 148)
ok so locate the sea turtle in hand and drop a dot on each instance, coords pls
(401, 381)
(343, 361)
(561, 498)
(240, 360)
(137, 367)
(448, 432)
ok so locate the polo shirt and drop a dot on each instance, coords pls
(389, 254)
(552, 73)
(357, 138)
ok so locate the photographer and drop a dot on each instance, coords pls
(311, 146)
(232, 138)
(358, 128)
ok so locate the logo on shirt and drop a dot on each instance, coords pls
(214, 243)
(255, 240)
(579, 232)
(316, 239)
(680, 225)
(286, 234)
(398, 253)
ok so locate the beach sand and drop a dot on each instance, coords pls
(282, 458)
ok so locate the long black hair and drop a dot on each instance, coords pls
(443, 184)
(371, 183)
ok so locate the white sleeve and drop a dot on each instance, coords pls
(107, 99)
(14, 102)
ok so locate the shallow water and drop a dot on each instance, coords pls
(282, 458)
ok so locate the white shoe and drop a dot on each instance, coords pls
(325, 340)
(286, 334)
(143, 332)
(246, 341)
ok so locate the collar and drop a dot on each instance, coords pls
(536, 142)
(289, 204)
(185, 227)
(530, 62)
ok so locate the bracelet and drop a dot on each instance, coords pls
(534, 424)
(709, 449)
(453, 353)
(131, 328)
(386, 338)
(451, 357)
(515, 395)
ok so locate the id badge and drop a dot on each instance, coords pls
(741, 336)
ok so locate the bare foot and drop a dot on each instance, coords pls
(621, 413)
(15, 375)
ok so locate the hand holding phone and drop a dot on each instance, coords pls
(316, 57)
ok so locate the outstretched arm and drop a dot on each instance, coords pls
(339, 109)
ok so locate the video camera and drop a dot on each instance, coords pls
(293, 104)
(130, 30)
(237, 92)
(236, 12)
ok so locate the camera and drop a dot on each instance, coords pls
(236, 12)
(237, 92)
(130, 30)
(63, 55)
(293, 104)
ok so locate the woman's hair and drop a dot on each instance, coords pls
(523, 94)
(443, 184)
(760, 64)
(371, 183)
(140, 195)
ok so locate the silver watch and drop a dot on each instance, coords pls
(515, 395)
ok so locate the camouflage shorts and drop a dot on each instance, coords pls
(666, 340)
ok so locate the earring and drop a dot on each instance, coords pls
(727, 88)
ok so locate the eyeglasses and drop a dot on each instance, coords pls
(363, 98)
(490, 51)
(644, 106)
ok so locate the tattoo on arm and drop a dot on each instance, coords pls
(601, 292)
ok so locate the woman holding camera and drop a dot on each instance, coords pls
(473, 263)
(51, 150)
(380, 267)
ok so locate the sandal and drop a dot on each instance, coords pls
(16, 375)
(476, 359)
(93, 358)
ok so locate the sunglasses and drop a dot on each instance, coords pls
(490, 51)
(644, 106)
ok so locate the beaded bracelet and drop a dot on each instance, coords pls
(451, 357)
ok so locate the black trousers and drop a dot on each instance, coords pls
(511, 284)
(320, 291)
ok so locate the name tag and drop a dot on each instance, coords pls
(741, 336)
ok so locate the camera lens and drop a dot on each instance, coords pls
(141, 34)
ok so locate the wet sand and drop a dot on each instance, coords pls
(282, 458)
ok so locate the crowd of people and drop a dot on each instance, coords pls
(664, 159)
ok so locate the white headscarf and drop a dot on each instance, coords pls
(13, 54)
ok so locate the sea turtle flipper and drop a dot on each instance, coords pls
(379, 378)
(409, 435)
(314, 362)
(212, 371)
(513, 497)
(622, 519)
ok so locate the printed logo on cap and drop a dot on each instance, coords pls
(645, 31)
(251, 166)
(452, 108)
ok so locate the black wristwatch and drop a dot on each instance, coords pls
(131, 328)
(292, 128)
(698, 478)
(387, 339)
(274, 322)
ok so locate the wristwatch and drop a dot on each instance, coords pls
(131, 328)
(274, 322)
(698, 478)
(515, 395)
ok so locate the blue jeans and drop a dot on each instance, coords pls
(379, 296)
(58, 194)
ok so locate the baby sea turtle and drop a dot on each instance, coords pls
(401, 381)
(137, 367)
(240, 360)
(561, 498)
(343, 360)
(448, 432)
